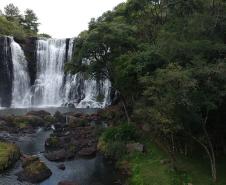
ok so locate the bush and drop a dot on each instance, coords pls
(113, 141)
(123, 133)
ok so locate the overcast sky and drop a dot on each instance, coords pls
(64, 18)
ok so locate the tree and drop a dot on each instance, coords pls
(30, 21)
(1, 13)
(12, 12)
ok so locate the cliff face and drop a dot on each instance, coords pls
(6, 72)
(29, 47)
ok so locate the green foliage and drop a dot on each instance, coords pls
(11, 28)
(166, 59)
(12, 23)
(30, 21)
(11, 11)
(54, 142)
(122, 133)
(45, 35)
(9, 153)
(113, 140)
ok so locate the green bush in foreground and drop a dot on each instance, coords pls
(9, 153)
(113, 141)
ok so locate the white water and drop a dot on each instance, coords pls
(50, 72)
(21, 79)
(52, 87)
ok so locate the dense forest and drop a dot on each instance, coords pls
(166, 62)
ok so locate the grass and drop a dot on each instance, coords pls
(147, 169)
(9, 153)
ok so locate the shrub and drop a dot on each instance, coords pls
(123, 133)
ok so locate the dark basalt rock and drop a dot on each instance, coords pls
(75, 138)
(88, 152)
(29, 47)
(59, 155)
(6, 72)
(59, 117)
(43, 114)
(34, 171)
(67, 183)
(61, 166)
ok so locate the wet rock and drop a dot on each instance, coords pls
(59, 117)
(53, 143)
(29, 120)
(42, 114)
(34, 172)
(27, 160)
(135, 147)
(61, 166)
(59, 155)
(67, 183)
(86, 152)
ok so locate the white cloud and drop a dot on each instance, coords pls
(64, 18)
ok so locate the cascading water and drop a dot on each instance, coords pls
(52, 87)
(21, 89)
(50, 73)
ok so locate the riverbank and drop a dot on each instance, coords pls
(76, 131)
(154, 164)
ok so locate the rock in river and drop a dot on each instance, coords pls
(34, 171)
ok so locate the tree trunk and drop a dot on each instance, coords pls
(125, 109)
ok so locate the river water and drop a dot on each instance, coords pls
(95, 171)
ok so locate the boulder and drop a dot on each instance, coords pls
(135, 147)
(86, 152)
(27, 160)
(41, 113)
(61, 166)
(67, 183)
(59, 117)
(28, 120)
(59, 155)
(34, 172)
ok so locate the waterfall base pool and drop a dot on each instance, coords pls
(95, 171)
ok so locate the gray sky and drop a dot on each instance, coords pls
(64, 18)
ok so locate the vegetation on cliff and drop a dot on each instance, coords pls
(14, 23)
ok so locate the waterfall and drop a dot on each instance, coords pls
(52, 86)
(20, 89)
(50, 72)
(83, 92)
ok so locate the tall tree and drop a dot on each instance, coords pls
(12, 12)
(30, 21)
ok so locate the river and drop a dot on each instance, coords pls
(95, 171)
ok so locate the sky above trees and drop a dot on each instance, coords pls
(64, 18)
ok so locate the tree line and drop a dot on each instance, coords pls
(166, 61)
(17, 24)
